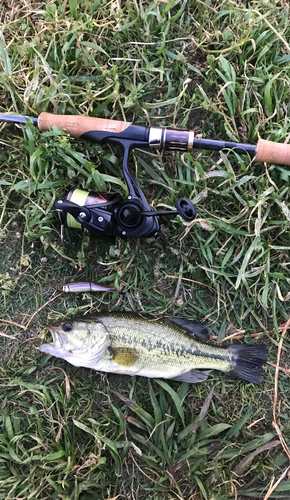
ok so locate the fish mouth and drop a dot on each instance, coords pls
(57, 340)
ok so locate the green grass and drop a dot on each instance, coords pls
(221, 68)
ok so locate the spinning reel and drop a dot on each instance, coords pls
(107, 215)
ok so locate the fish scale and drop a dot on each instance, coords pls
(176, 351)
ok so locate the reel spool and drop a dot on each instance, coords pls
(88, 210)
(89, 199)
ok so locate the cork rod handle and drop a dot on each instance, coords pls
(77, 125)
(273, 152)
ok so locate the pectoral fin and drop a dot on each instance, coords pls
(193, 376)
(124, 356)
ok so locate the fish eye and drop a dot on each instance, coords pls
(67, 327)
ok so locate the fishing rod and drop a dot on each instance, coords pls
(106, 215)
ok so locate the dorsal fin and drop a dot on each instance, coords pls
(195, 329)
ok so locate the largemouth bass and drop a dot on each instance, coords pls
(131, 344)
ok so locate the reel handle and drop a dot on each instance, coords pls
(184, 208)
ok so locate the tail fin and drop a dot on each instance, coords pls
(247, 362)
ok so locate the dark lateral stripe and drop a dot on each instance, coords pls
(207, 355)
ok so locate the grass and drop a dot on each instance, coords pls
(221, 68)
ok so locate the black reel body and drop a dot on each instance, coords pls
(106, 215)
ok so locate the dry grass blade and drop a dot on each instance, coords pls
(67, 382)
(191, 281)
(40, 308)
(275, 424)
(118, 496)
(25, 327)
(142, 471)
(284, 370)
(12, 323)
(7, 336)
(244, 464)
(274, 486)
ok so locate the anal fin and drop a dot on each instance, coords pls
(193, 376)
